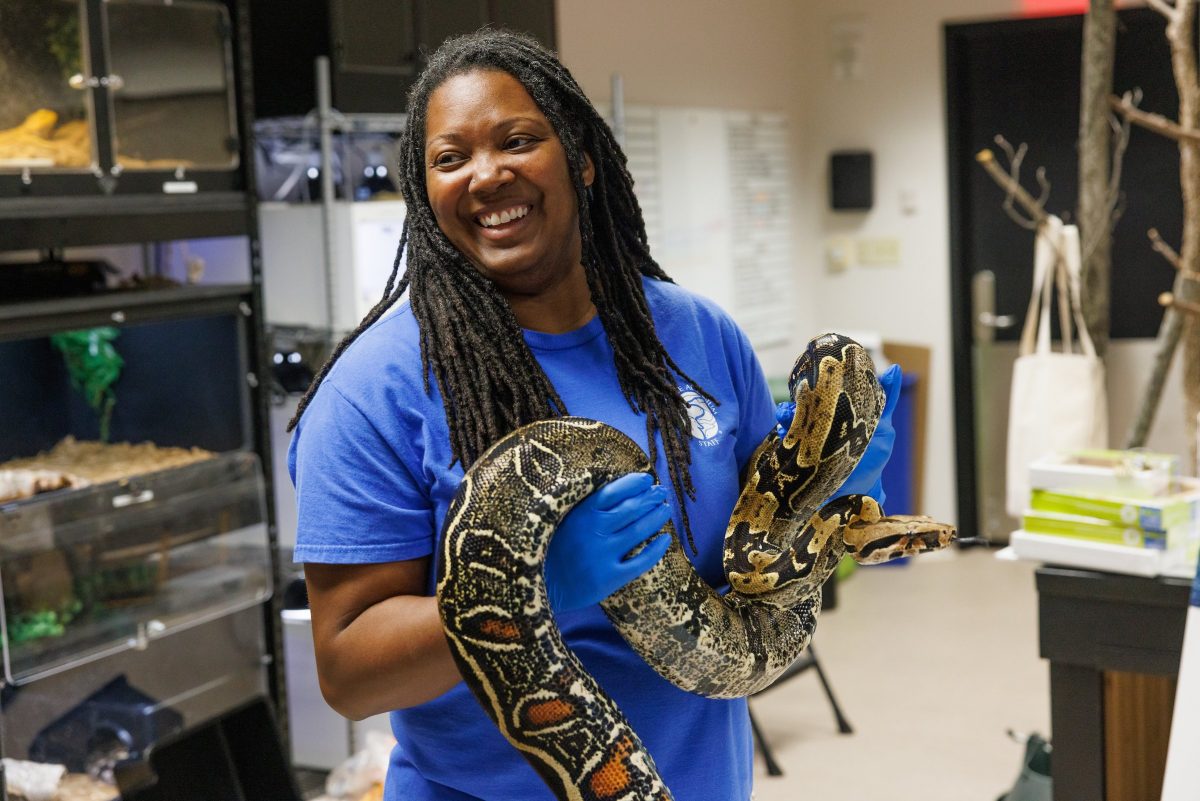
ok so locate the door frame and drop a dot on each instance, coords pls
(956, 41)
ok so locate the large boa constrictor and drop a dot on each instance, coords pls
(780, 546)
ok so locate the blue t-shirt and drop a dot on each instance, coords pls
(371, 462)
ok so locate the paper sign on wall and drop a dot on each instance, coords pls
(714, 186)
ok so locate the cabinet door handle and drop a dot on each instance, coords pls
(121, 501)
(80, 81)
(997, 320)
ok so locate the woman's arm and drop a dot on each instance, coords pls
(378, 639)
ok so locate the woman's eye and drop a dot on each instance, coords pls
(446, 159)
(514, 142)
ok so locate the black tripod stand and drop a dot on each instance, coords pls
(807, 660)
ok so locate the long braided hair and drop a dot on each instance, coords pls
(471, 342)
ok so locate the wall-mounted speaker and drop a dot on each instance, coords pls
(851, 181)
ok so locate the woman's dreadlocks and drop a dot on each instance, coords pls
(470, 340)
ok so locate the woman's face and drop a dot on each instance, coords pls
(497, 180)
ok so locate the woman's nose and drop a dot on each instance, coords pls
(491, 172)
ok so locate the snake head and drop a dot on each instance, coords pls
(887, 538)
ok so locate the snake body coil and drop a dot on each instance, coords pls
(780, 546)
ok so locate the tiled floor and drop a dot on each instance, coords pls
(931, 662)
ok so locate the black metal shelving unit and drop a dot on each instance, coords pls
(44, 317)
(105, 206)
(33, 223)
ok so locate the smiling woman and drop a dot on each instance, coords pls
(497, 181)
(529, 294)
(472, 330)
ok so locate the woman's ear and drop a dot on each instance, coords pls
(589, 169)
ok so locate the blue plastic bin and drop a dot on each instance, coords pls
(899, 473)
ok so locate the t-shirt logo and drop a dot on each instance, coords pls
(704, 417)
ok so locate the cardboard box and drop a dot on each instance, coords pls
(915, 360)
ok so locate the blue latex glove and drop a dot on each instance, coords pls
(867, 476)
(585, 559)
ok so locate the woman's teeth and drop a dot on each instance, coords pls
(508, 215)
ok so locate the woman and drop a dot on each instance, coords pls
(531, 293)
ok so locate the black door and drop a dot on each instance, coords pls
(1021, 79)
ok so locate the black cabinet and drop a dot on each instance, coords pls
(376, 47)
(1114, 643)
(129, 123)
(130, 118)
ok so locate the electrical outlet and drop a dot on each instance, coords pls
(839, 253)
(879, 251)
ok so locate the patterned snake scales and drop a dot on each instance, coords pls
(781, 544)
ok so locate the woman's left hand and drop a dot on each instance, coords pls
(866, 478)
(586, 558)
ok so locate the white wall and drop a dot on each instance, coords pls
(687, 52)
(697, 54)
(778, 55)
(895, 108)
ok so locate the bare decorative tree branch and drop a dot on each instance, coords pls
(1164, 8)
(1114, 203)
(1160, 246)
(1009, 182)
(1181, 23)
(1169, 299)
(1102, 143)
(1120, 128)
(1035, 207)
(1128, 109)
(1097, 166)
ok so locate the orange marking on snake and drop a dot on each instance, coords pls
(612, 778)
(548, 712)
(501, 629)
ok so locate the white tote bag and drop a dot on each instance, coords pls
(1058, 400)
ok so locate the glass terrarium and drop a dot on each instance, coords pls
(175, 105)
(105, 87)
(46, 112)
(89, 571)
(130, 610)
